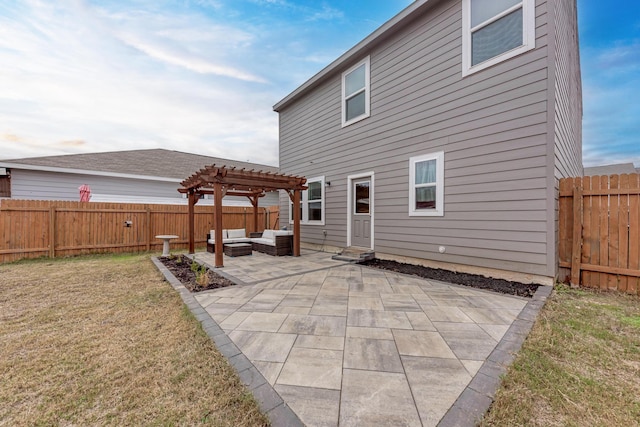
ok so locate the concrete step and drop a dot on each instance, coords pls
(355, 255)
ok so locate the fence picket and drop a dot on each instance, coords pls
(604, 231)
(623, 231)
(565, 210)
(633, 283)
(614, 240)
(594, 258)
(586, 228)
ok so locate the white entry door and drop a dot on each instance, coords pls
(361, 212)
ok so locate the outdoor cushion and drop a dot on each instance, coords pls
(264, 241)
(268, 234)
(225, 241)
(237, 240)
(236, 233)
(282, 232)
(212, 233)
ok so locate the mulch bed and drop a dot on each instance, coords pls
(180, 266)
(472, 280)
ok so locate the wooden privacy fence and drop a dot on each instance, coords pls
(31, 229)
(599, 231)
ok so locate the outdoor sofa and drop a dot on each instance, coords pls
(271, 242)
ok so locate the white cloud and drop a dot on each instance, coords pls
(185, 60)
(327, 14)
(126, 80)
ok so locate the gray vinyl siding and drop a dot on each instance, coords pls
(568, 93)
(491, 125)
(40, 185)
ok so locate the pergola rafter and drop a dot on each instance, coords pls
(222, 181)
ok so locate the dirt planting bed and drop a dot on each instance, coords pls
(196, 278)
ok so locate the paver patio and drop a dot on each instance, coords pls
(348, 345)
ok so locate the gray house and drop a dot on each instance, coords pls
(440, 138)
(136, 176)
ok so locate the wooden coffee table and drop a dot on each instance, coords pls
(237, 249)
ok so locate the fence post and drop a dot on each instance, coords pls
(576, 250)
(52, 232)
(148, 233)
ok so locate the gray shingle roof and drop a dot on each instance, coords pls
(616, 169)
(155, 162)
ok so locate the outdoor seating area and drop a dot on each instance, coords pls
(220, 181)
(270, 242)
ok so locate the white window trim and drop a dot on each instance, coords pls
(367, 89)
(528, 36)
(439, 209)
(304, 201)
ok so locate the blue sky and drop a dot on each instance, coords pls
(202, 75)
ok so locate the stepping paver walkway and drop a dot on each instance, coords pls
(347, 345)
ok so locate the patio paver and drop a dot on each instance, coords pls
(347, 345)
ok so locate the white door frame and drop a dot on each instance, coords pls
(350, 180)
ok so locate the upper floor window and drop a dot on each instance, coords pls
(355, 93)
(311, 203)
(426, 185)
(495, 30)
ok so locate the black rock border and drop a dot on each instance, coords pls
(465, 279)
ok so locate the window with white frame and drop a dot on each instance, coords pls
(356, 93)
(495, 30)
(311, 203)
(426, 185)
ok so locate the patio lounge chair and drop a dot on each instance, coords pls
(274, 242)
(238, 235)
(270, 242)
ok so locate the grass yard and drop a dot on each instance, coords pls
(103, 340)
(579, 367)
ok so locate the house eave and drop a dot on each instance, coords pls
(388, 28)
(86, 172)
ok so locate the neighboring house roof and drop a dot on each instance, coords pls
(391, 26)
(157, 164)
(616, 169)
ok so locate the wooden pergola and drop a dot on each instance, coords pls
(222, 181)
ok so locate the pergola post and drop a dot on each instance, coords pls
(254, 202)
(217, 200)
(296, 222)
(192, 214)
